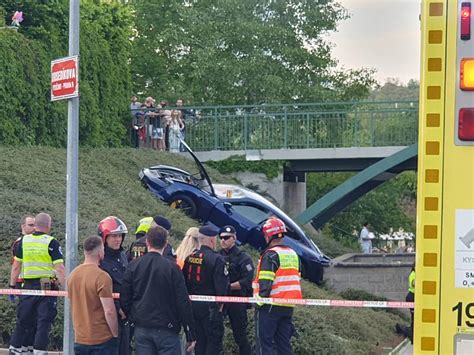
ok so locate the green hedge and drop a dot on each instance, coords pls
(27, 117)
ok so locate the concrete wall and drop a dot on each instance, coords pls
(288, 194)
(383, 275)
(271, 189)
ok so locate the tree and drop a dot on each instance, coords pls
(26, 115)
(236, 52)
(393, 90)
(390, 205)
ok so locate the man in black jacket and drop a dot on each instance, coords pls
(241, 276)
(154, 297)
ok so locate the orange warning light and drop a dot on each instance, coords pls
(467, 74)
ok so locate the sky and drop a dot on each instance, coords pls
(381, 34)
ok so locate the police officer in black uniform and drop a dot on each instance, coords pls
(240, 276)
(205, 273)
(138, 247)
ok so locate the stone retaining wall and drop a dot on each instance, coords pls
(383, 275)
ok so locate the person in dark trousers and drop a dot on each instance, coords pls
(410, 297)
(40, 256)
(112, 230)
(138, 247)
(205, 273)
(155, 298)
(277, 276)
(241, 271)
(27, 224)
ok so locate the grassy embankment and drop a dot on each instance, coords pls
(33, 180)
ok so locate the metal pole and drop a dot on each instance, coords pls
(72, 178)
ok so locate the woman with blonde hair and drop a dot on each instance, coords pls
(187, 246)
(175, 126)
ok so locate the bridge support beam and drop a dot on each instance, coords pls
(294, 192)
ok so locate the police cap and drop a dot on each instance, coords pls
(208, 231)
(162, 222)
(227, 230)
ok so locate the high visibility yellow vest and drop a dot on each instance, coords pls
(144, 225)
(37, 262)
(411, 282)
(286, 280)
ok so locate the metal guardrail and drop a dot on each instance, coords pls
(298, 126)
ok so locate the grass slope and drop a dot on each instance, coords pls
(34, 179)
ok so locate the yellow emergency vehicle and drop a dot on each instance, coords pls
(444, 294)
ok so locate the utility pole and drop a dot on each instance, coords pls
(72, 178)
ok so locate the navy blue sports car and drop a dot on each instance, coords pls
(221, 205)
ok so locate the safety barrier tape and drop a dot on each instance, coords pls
(232, 299)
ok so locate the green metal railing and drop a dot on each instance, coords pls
(297, 126)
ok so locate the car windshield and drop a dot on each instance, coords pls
(252, 213)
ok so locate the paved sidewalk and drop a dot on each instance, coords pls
(404, 348)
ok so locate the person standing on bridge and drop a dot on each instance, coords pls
(278, 276)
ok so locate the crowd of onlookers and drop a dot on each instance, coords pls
(158, 125)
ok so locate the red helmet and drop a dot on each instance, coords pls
(273, 227)
(111, 225)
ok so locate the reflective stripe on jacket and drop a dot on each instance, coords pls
(286, 280)
(411, 282)
(37, 262)
(144, 225)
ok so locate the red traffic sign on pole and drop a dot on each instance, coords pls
(64, 75)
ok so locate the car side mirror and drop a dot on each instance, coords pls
(228, 206)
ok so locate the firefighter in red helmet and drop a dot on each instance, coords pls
(112, 230)
(278, 276)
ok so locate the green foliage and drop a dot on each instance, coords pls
(2, 16)
(331, 246)
(393, 89)
(236, 164)
(27, 116)
(387, 206)
(238, 52)
(24, 117)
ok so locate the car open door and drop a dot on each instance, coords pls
(202, 170)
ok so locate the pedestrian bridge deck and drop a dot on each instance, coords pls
(337, 130)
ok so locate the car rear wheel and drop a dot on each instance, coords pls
(184, 203)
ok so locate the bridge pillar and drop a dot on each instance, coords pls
(294, 192)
